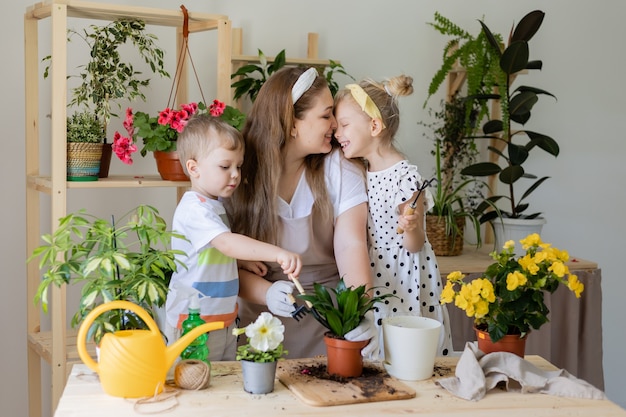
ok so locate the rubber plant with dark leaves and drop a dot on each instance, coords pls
(515, 106)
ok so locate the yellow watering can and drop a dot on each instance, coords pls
(134, 363)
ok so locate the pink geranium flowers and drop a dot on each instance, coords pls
(159, 133)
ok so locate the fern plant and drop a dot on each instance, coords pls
(475, 55)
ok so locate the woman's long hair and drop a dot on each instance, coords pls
(253, 207)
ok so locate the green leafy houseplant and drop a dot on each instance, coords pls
(454, 193)
(106, 78)
(342, 308)
(515, 106)
(251, 77)
(84, 127)
(509, 297)
(113, 260)
(265, 337)
(474, 55)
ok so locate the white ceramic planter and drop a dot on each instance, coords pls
(515, 229)
(258, 377)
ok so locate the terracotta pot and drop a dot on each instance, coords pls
(344, 357)
(169, 166)
(510, 343)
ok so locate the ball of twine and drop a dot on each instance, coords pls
(192, 374)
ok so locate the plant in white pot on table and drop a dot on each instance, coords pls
(515, 106)
(259, 356)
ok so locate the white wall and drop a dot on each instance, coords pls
(582, 201)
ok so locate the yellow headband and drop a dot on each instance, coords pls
(365, 102)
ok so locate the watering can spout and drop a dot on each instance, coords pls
(134, 363)
(176, 348)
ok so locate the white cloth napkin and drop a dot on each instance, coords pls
(477, 373)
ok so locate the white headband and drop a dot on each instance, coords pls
(304, 82)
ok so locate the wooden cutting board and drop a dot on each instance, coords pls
(307, 379)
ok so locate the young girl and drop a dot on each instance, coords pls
(401, 257)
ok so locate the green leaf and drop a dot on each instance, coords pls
(515, 57)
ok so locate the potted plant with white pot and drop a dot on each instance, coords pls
(260, 355)
(514, 146)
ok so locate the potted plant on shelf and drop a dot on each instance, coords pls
(107, 78)
(508, 300)
(454, 193)
(251, 77)
(340, 310)
(259, 356)
(159, 134)
(84, 146)
(113, 261)
(515, 106)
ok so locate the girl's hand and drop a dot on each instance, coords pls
(410, 222)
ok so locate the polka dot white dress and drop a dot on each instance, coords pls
(413, 277)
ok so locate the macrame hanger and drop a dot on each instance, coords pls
(184, 51)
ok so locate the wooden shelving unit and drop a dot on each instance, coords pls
(57, 345)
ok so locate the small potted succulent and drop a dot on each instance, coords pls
(340, 310)
(85, 137)
(112, 260)
(259, 356)
(507, 301)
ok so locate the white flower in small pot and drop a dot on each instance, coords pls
(259, 356)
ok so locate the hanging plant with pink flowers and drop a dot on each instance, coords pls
(159, 133)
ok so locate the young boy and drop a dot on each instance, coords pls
(211, 152)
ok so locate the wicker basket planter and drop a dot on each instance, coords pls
(83, 161)
(442, 243)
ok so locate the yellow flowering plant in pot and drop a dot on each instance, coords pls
(509, 297)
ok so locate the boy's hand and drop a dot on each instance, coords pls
(290, 262)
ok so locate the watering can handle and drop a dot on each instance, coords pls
(81, 338)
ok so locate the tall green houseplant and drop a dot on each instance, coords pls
(106, 78)
(514, 147)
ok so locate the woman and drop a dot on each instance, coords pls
(300, 193)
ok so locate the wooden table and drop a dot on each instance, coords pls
(83, 396)
(572, 339)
